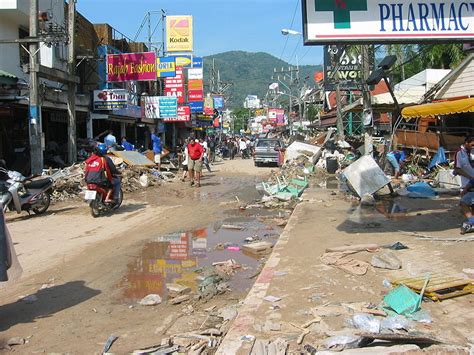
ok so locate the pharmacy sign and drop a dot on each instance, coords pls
(387, 21)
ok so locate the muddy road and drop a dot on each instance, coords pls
(83, 276)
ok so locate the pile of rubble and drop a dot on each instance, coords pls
(69, 182)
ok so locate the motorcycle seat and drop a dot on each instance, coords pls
(38, 184)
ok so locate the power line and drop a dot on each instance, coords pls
(291, 26)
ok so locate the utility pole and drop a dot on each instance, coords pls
(35, 126)
(339, 119)
(367, 104)
(71, 92)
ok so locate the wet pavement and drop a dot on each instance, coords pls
(178, 257)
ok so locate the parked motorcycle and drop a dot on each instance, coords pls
(95, 196)
(19, 193)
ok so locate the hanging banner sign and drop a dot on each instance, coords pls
(110, 99)
(152, 106)
(179, 33)
(183, 115)
(381, 21)
(165, 67)
(131, 67)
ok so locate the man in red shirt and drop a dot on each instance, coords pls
(196, 152)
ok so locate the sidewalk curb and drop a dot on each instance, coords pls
(242, 325)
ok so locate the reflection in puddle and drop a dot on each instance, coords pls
(391, 209)
(174, 258)
(384, 209)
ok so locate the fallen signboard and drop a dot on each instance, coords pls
(365, 176)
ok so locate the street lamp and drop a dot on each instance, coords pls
(286, 31)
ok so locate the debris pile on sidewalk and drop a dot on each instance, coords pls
(69, 182)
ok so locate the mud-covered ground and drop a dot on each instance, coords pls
(86, 275)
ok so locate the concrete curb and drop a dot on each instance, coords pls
(242, 325)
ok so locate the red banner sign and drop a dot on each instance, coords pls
(131, 67)
(175, 86)
(195, 95)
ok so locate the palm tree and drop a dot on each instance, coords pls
(442, 56)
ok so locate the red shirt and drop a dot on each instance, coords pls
(195, 151)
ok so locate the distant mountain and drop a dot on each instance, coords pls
(250, 73)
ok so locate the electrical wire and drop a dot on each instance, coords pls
(291, 26)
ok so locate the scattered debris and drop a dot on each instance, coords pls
(110, 341)
(272, 298)
(179, 299)
(386, 260)
(150, 300)
(175, 290)
(341, 261)
(258, 248)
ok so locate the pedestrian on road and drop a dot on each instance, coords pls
(243, 148)
(185, 162)
(463, 164)
(196, 153)
(211, 143)
(157, 148)
(205, 156)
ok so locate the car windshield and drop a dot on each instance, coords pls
(268, 144)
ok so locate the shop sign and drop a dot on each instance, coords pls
(165, 67)
(382, 21)
(195, 96)
(160, 107)
(196, 106)
(195, 73)
(219, 102)
(184, 115)
(179, 33)
(349, 68)
(110, 99)
(131, 66)
(175, 86)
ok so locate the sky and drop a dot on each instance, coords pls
(219, 25)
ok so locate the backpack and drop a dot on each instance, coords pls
(96, 171)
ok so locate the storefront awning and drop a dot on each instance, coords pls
(439, 108)
(7, 78)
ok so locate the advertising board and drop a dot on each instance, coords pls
(382, 21)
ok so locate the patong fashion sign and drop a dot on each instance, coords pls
(131, 67)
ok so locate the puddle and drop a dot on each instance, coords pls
(174, 258)
(391, 209)
(384, 209)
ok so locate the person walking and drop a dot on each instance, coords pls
(185, 162)
(196, 152)
(127, 145)
(157, 148)
(205, 156)
(243, 148)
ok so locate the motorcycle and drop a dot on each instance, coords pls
(95, 195)
(19, 193)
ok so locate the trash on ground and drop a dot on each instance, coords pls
(175, 290)
(108, 344)
(272, 298)
(258, 248)
(343, 262)
(233, 226)
(386, 260)
(402, 300)
(441, 286)
(365, 176)
(150, 300)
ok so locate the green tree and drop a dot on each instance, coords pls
(442, 56)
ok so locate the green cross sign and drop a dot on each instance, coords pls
(341, 10)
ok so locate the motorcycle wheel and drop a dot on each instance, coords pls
(95, 211)
(120, 200)
(44, 200)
